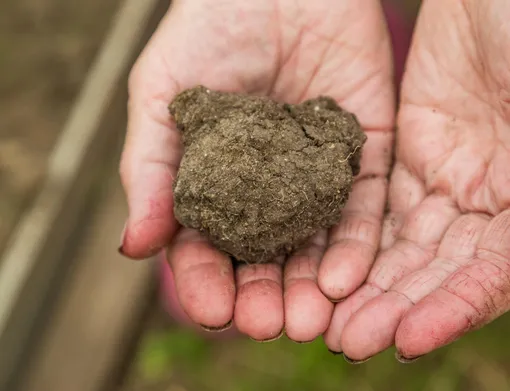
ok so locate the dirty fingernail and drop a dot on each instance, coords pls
(335, 353)
(355, 362)
(217, 329)
(269, 339)
(335, 300)
(303, 342)
(406, 360)
(120, 249)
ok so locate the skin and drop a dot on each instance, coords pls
(444, 265)
(290, 50)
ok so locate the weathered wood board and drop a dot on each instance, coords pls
(37, 255)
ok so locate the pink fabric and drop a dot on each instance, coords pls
(400, 30)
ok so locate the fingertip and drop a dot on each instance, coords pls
(343, 311)
(343, 269)
(147, 238)
(408, 338)
(151, 224)
(337, 281)
(332, 342)
(259, 310)
(330, 282)
(212, 304)
(431, 324)
(372, 329)
(307, 311)
(204, 280)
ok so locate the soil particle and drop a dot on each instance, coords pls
(259, 177)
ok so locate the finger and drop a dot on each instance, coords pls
(150, 157)
(417, 243)
(354, 241)
(476, 294)
(405, 193)
(307, 311)
(420, 236)
(363, 338)
(204, 280)
(259, 311)
(343, 311)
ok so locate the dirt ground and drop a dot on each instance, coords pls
(46, 47)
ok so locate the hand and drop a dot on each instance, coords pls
(291, 51)
(444, 266)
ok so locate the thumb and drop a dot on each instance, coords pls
(151, 155)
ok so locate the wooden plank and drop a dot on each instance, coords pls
(31, 262)
(104, 299)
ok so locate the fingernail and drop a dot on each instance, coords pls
(217, 329)
(122, 235)
(335, 353)
(121, 244)
(335, 300)
(405, 360)
(303, 342)
(356, 362)
(269, 339)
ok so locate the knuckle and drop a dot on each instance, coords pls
(362, 228)
(303, 267)
(307, 266)
(470, 290)
(501, 226)
(464, 235)
(497, 237)
(386, 275)
(418, 283)
(464, 229)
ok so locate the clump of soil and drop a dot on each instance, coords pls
(259, 177)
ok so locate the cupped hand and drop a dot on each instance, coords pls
(289, 50)
(444, 266)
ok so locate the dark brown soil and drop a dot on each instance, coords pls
(259, 177)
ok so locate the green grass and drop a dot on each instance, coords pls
(177, 359)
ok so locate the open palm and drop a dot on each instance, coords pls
(444, 266)
(290, 50)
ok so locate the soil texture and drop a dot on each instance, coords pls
(260, 177)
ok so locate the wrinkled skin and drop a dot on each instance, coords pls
(444, 266)
(290, 50)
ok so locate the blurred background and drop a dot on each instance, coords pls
(74, 315)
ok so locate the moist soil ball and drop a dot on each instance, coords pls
(260, 177)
